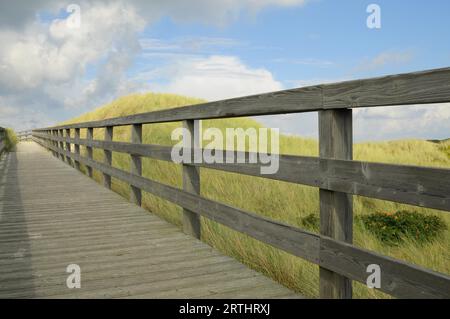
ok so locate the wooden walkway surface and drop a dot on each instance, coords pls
(52, 216)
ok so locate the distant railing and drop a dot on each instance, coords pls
(25, 135)
(334, 172)
(2, 139)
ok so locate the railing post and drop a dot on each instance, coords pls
(336, 209)
(50, 141)
(61, 144)
(55, 143)
(136, 164)
(69, 160)
(77, 146)
(108, 156)
(191, 182)
(89, 136)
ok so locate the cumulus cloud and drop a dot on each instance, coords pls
(16, 14)
(397, 122)
(218, 12)
(212, 78)
(48, 67)
(44, 66)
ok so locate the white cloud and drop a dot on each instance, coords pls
(48, 67)
(59, 54)
(217, 12)
(384, 59)
(16, 14)
(397, 122)
(212, 78)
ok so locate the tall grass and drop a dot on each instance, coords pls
(277, 200)
(10, 139)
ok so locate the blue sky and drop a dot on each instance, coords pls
(328, 39)
(223, 49)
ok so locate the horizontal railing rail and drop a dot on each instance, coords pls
(24, 135)
(405, 89)
(334, 172)
(414, 185)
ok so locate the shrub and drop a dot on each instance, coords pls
(393, 228)
(11, 139)
(311, 222)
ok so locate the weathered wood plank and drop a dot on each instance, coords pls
(398, 278)
(2, 139)
(77, 146)
(404, 89)
(108, 156)
(123, 251)
(69, 161)
(293, 240)
(136, 164)
(89, 136)
(431, 86)
(336, 208)
(333, 255)
(191, 181)
(61, 144)
(413, 185)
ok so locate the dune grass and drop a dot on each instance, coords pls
(282, 201)
(11, 139)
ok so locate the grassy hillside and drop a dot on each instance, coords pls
(278, 200)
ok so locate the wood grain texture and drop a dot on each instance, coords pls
(108, 156)
(336, 256)
(55, 143)
(398, 278)
(136, 164)
(191, 181)
(336, 208)
(425, 87)
(298, 242)
(2, 140)
(334, 172)
(77, 146)
(404, 89)
(89, 136)
(123, 250)
(61, 144)
(413, 185)
(69, 161)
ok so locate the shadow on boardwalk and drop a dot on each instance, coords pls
(15, 252)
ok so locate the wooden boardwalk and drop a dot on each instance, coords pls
(52, 216)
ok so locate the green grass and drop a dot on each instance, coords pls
(10, 140)
(394, 228)
(282, 201)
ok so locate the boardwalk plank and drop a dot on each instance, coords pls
(51, 216)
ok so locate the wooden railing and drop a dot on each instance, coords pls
(334, 172)
(2, 139)
(24, 135)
